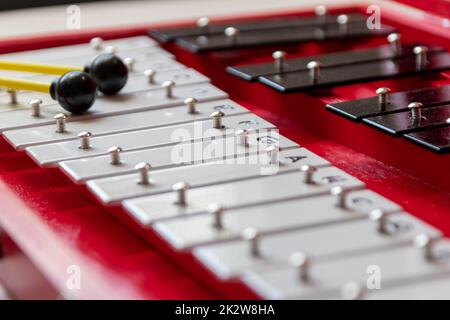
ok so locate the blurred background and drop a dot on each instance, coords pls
(20, 4)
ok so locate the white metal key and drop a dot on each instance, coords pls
(245, 193)
(311, 212)
(346, 278)
(335, 241)
(85, 49)
(114, 189)
(181, 154)
(126, 131)
(119, 104)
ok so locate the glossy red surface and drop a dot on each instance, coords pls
(57, 224)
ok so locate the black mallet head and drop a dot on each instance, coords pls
(75, 91)
(109, 72)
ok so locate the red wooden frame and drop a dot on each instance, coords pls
(56, 224)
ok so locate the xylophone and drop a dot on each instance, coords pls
(301, 156)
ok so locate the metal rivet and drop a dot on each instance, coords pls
(321, 14)
(150, 74)
(114, 153)
(168, 86)
(383, 96)
(421, 56)
(110, 49)
(394, 41)
(280, 60)
(216, 210)
(344, 23)
(242, 136)
(85, 137)
(60, 122)
(143, 168)
(203, 24)
(308, 173)
(232, 33)
(12, 96)
(217, 119)
(35, 107)
(273, 153)
(180, 188)
(314, 70)
(381, 218)
(341, 194)
(253, 237)
(416, 110)
(427, 244)
(129, 62)
(352, 291)
(96, 43)
(191, 103)
(302, 262)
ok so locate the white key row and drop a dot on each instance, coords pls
(114, 105)
(85, 49)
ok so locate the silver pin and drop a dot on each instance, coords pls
(344, 23)
(273, 152)
(448, 120)
(341, 194)
(12, 96)
(180, 188)
(242, 136)
(381, 218)
(394, 41)
(232, 33)
(302, 262)
(321, 14)
(60, 122)
(416, 110)
(191, 104)
(129, 62)
(427, 244)
(110, 49)
(216, 210)
(421, 56)
(308, 173)
(168, 85)
(150, 74)
(253, 237)
(314, 71)
(383, 96)
(96, 43)
(203, 24)
(143, 168)
(114, 153)
(217, 119)
(352, 291)
(85, 137)
(280, 60)
(35, 107)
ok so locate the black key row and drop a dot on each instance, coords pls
(422, 116)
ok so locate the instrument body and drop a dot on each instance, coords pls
(115, 259)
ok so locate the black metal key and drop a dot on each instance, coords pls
(435, 139)
(170, 34)
(405, 122)
(367, 71)
(253, 71)
(278, 36)
(398, 101)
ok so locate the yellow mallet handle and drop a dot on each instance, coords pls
(21, 84)
(36, 67)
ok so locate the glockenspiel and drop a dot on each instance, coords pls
(298, 156)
